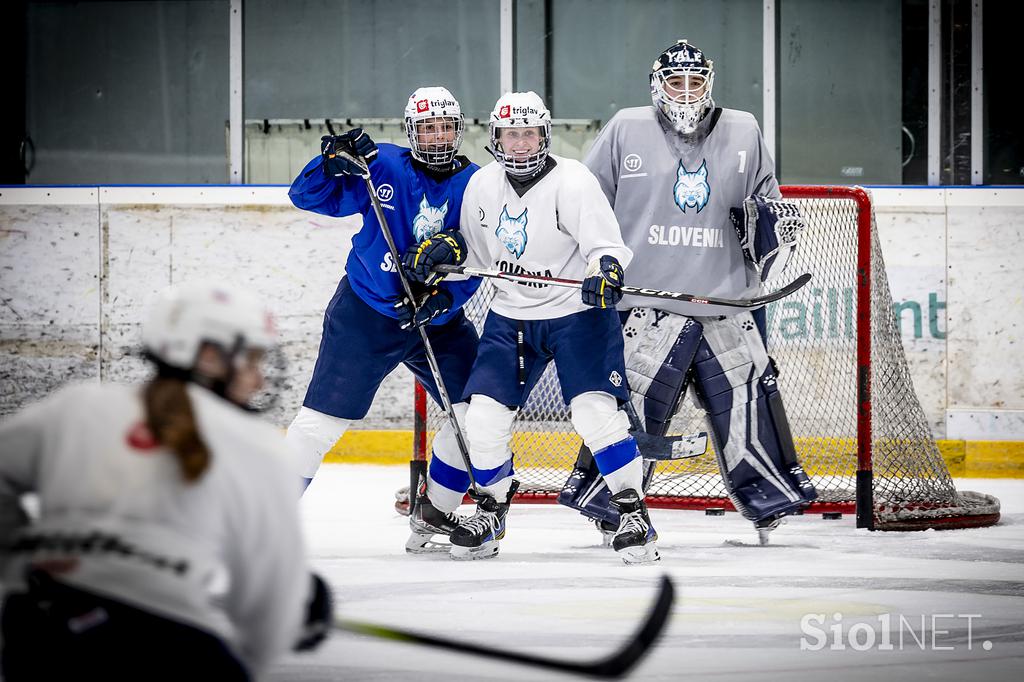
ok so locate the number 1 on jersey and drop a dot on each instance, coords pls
(743, 161)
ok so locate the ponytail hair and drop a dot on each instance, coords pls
(170, 418)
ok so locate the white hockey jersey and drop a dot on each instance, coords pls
(560, 224)
(224, 554)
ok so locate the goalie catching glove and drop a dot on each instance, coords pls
(431, 304)
(602, 284)
(767, 230)
(444, 248)
(353, 142)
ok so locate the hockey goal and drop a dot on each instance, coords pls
(859, 428)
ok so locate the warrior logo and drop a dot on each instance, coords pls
(512, 231)
(429, 221)
(692, 189)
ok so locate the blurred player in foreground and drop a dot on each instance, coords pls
(168, 542)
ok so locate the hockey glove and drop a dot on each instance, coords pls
(354, 142)
(602, 285)
(319, 615)
(444, 248)
(435, 302)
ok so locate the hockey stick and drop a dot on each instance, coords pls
(667, 448)
(435, 370)
(661, 448)
(611, 667)
(754, 302)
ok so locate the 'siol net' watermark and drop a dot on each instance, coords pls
(891, 632)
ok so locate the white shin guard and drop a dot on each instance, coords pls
(599, 421)
(489, 428)
(446, 449)
(310, 435)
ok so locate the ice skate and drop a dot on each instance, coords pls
(766, 526)
(478, 536)
(425, 522)
(635, 540)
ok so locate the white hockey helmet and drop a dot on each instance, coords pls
(426, 104)
(521, 110)
(681, 82)
(185, 316)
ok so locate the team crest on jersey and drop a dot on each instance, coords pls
(430, 219)
(512, 231)
(692, 189)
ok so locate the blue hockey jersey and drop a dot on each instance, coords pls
(416, 205)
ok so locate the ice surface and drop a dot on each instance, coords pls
(554, 590)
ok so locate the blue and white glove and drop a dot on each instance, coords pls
(444, 248)
(354, 142)
(602, 284)
(433, 303)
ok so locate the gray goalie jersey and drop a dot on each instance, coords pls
(672, 198)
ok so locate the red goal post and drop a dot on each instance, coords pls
(858, 425)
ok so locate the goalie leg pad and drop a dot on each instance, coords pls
(737, 387)
(659, 350)
(310, 435)
(489, 429)
(447, 480)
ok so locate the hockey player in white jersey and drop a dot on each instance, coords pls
(532, 211)
(694, 189)
(168, 541)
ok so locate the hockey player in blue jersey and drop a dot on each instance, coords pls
(369, 325)
(704, 215)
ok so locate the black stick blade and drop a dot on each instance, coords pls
(614, 666)
(621, 662)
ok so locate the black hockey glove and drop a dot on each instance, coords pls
(444, 248)
(602, 286)
(319, 616)
(354, 142)
(435, 302)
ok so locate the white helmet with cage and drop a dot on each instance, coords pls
(681, 82)
(434, 125)
(521, 110)
(184, 317)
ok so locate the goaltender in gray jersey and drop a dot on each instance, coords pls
(677, 223)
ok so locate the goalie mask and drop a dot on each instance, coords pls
(434, 125)
(216, 335)
(523, 149)
(681, 82)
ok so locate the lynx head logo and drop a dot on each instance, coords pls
(692, 189)
(429, 221)
(512, 232)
